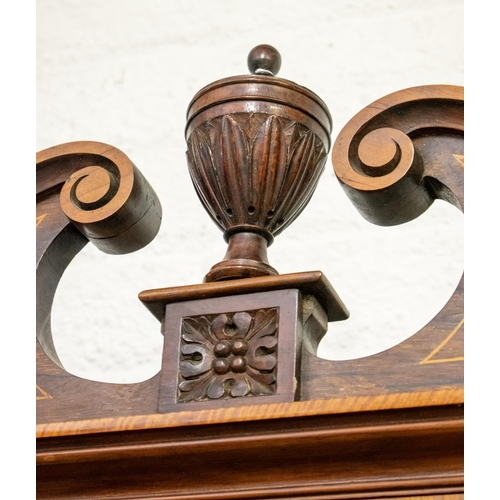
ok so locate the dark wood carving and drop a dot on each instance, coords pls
(228, 355)
(396, 156)
(224, 350)
(393, 159)
(241, 388)
(102, 193)
(257, 145)
(86, 191)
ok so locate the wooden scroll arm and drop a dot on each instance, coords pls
(86, 191)
(400, 153)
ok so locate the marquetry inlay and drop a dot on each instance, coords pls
(460, 159)
(39, 219)
(41, 394)
(445, 352)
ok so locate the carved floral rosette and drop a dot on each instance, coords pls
(228, 355)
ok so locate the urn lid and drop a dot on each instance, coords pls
(261, 91)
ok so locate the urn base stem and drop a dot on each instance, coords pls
(246, 257)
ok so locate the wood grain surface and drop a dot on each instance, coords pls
(384, 426)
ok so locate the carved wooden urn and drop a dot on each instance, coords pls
(256, 147)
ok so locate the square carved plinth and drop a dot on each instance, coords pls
(240, 342)
(228, 351)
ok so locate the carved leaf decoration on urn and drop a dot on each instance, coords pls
(304, 153)
(231, 153)
(228, 355)
(268, 150)
(203, 174)
(254, 168)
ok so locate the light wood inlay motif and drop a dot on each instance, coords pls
(41, 394)
(431, 357)
(40, 219)
(460, 159)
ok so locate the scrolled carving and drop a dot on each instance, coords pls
(228, 355)
(104, 195)
(86, 191)
(91, 188)
(384, 151)
(384, 155)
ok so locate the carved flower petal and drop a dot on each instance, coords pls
(268, 342)
(192, 390)
(261, 383)
(188, 385)
(218, 326)
(263, 363)
(191, 368)
(240, 387)
(216, 388)
(194, 348)
(195, 330)
(265, 323)
(242, 320)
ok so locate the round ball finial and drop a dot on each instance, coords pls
(264, 60)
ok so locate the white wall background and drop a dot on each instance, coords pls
(124, 71)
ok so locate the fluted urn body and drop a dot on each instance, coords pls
(257, 145)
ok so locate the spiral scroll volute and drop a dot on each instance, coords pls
(109, 200)
(383, 164)
(376, 159)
